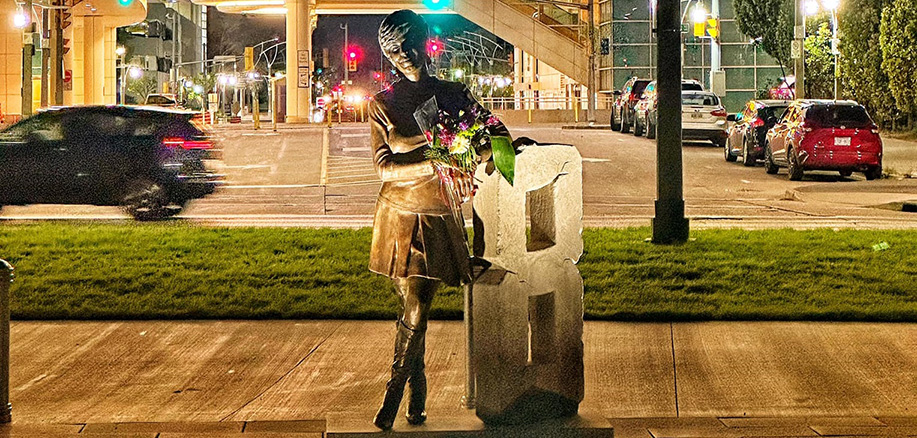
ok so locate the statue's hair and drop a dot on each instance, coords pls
(404, 24)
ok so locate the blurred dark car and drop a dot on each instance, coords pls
(747, 135)
(150, 161)
(622, 112)
(646, 107)
(824, 135)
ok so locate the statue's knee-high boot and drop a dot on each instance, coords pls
(416, 413)
(406, 348)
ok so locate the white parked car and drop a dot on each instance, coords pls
(703, 117)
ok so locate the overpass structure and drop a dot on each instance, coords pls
(549, 33)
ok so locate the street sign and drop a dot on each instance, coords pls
(249, 58)
(68, 76)
(302, 57)
(796, 49)
(304, 78)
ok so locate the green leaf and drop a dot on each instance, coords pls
(504, 157)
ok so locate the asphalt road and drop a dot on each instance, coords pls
(312, 176)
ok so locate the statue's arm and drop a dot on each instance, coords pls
(389, 165)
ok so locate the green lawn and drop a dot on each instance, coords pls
(141, 271)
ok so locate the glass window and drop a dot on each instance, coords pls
(45, 126)
(741, 54)
(631, 32)
(626, 56)
(730, 32)
(839, 115)
(631, 10)
(707, 99)
(740, 78)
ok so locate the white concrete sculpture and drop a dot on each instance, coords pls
(528, 307)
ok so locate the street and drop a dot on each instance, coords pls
(314, 176)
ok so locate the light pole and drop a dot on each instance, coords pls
(346, 46)
(23, 20)
(811, 8)
(120, 51)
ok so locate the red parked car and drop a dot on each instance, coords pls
(824, 135)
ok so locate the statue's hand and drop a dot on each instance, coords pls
(464, 184)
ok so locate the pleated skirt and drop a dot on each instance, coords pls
(408, 244)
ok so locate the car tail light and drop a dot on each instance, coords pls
(178, 142)
(718, 113)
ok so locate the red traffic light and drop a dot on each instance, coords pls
(377, 75)
(353, 53)
(435, 47)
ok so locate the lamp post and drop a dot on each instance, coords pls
(23, 20)
(120, 51)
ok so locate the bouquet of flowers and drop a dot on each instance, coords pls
(456, 142)
(455, 146)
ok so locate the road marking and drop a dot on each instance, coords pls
(270, 186)
(248, 166)
(361, 149)
(253, 134)
(323, 179)
(354, 135)
(595, 160)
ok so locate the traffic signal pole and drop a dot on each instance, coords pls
(346, 46)
(669, 224)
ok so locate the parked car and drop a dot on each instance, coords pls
(746, 137)
(622, 111)
(648, 103)
(824, 135)
(163, 100)
(702, 118)
(150, 161)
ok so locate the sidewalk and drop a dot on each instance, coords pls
(714, 379)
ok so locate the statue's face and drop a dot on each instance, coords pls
(409, 58)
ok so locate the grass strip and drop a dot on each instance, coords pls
(169, 271)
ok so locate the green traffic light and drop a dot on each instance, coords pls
(125, 2)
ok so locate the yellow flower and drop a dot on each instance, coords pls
(460, 145)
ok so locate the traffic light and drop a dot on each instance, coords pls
(605, 46)
(435, 5)
(125, 2)
(351, 65)
(435, 47)
(353, 55)
(377, 76)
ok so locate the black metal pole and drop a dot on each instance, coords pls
(669, 224)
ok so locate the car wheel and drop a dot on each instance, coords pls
(650, 128)
(873, 173)
(794, 170)
(845, 173)
(145, 200)
(769, 165)
(747, 159)
(638, 128)
(727, 152)
(615, 124)
(625, 126)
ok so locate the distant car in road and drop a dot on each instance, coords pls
(622, 111)
(149, 161)
(824, 135)
(647, 104)
(746, 137)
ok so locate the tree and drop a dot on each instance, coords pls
(771, 21)
(898, 38)
(862, 76)
(819, 61)
(141, 88)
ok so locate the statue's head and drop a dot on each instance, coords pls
(403, 37)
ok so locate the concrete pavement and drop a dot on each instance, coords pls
(649, 380)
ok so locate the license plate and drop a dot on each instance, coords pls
(697, 115)
(842, 141)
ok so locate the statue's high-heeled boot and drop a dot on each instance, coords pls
(416, 413)
(405, 351)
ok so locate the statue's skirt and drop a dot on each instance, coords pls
(408, 244)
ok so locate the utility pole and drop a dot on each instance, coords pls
(45, 57)
(590, 105)
(344, 52)
(669, 224)
(28, 50)
(173, 72)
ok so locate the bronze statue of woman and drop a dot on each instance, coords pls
(416, 241)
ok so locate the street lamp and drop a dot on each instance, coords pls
(20, 19)
(700, 14)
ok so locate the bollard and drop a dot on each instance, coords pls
(6, 279)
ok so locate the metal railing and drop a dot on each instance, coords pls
(543, 103)
(562, 20)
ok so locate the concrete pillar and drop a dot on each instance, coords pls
(10, 61)
(299, 47)
(96, 56)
